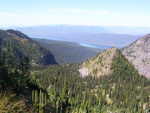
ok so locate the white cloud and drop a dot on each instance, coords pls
(78, 11)
(74, 17)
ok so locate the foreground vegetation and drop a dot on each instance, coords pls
(66, 92)
(11, 103)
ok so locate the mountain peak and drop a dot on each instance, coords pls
(145, 38)
(138, 53)
(101, 64)
(18, 34)
(148, 35)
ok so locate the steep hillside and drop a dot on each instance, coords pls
(21, 45)
(106, 63)
(67, 52)
(138, 53)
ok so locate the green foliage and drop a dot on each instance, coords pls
(13, 69)
(70, 93)
(39, 100)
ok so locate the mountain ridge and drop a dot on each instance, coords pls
(20, 43)
(106, 63)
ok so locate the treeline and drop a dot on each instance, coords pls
(67, 92)
(14, 71)
(14, 79)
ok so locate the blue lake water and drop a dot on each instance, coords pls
(95, 46)
(82, 44)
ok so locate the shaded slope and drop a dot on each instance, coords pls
(21, 45)
(67, 52)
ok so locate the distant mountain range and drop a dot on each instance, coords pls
(95, 35)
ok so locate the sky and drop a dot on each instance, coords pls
(134, 13)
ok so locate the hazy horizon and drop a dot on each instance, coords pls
(91, 13)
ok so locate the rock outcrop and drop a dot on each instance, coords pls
(100, 65)
(138, 53)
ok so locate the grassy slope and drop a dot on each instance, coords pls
(10, 103)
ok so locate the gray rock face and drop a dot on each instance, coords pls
(138, 53)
